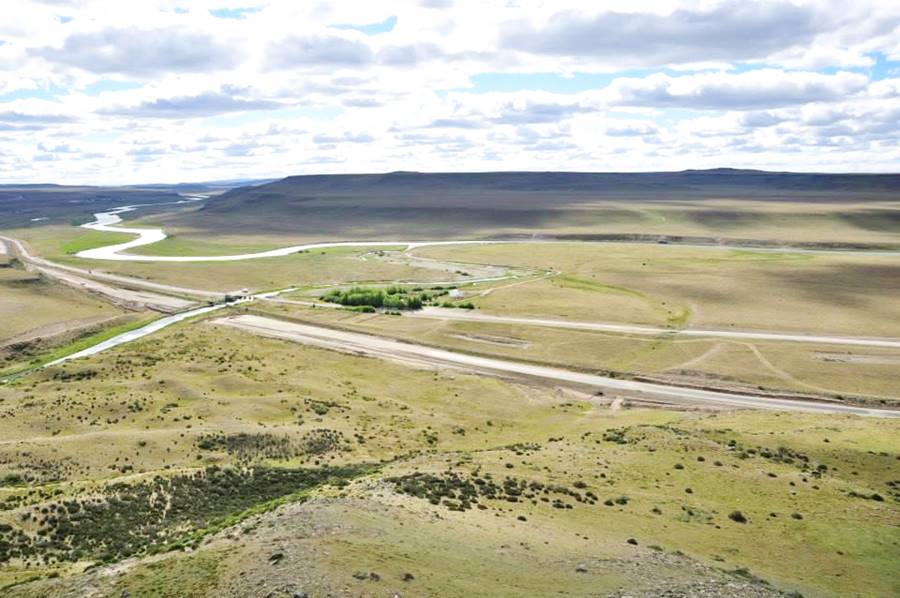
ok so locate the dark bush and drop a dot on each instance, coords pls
(737, 517)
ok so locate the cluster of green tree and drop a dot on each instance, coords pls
(394, 298)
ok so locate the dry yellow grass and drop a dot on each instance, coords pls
(29, 305)
(850, 294)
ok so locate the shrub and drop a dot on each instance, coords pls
(737, 517)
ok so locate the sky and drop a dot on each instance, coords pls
(166, 91)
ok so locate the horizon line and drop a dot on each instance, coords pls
(458, 172)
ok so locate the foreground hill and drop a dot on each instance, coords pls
(208, 462)
(710, 203)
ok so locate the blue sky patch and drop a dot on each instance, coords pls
(883, 68)
(374, 28)
(234, 13)
(44, 93)
(508, 82)
(98, 87)
(555, 82)
(318, 113)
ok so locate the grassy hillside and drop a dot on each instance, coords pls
(206, 461)
(752, 182)
(721, 203)
(37, 316)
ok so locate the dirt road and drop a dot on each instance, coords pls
(19, 249)
(426, 356)
(124, 297)
(75, 277)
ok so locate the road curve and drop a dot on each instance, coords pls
(19, 249)
(422, 355)
(455, 314)
(84, 280)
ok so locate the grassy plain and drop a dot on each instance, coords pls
(89, 239)
(197, 396)
(315, 267)
(174, 245)
(662, 285)
(842, 293)
(805, 368)
(670, 286)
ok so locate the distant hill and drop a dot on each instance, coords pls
(202, 186)
(488, 204)
(42, 204)
(761, 182)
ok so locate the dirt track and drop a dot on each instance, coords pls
(88, 280)
(455, 314)
(124, 297)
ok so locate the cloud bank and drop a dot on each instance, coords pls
(95, 91)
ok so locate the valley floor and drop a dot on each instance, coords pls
(569, 419)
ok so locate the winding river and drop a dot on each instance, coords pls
(108, 222)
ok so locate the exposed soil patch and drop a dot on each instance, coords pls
(881, 359)
(503, 341)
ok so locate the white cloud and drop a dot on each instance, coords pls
(318, 51)
(141, 52)
(764, 88)
(205, 104)
(139, 91)
(734, 30)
